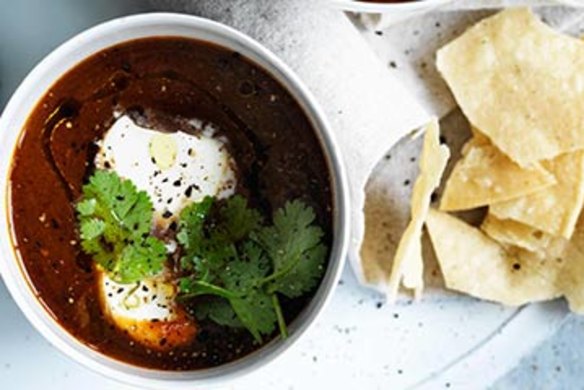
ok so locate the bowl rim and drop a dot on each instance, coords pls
(419, 5)
(365, 7)
(16, 278)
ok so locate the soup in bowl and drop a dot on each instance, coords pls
(175, 206)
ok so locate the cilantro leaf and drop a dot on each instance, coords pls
(254, 306)
(214, 258)
(205, 252)
(192, 219)
(117, 201)
(293, 244)
(253, 311)
(241, 265)
(238, 284)
(218, 310)
(208, 250)
(304, 276)
(244, 274)
(256, 313)
(139, 260)
(92, 229)
(237, 219)
(114, 223)
(86, 207)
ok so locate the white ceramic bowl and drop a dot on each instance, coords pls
(33, 88)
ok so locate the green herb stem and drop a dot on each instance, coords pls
(210, 289)
(276, 275)
(280, 316)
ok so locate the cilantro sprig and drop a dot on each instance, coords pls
(230, 255)
(244, 264)
(114, 223)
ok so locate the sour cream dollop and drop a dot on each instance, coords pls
(175, 169)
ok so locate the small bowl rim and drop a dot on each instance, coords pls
(412, 6)
(365, 7)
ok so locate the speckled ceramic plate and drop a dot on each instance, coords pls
(445, 341)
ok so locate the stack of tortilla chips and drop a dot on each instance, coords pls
(521, 86)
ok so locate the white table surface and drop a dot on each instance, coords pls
(350, 346)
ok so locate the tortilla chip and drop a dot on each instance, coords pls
(484, 176)
(573, 276)
(519, 82)
(574, 281)
(478, 137)
(512, 233)
(473, 263)
(413, 270)
(554, 210)
(408, 266)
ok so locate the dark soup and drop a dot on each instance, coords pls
(171, 204)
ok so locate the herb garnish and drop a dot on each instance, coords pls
(115, 221)
(245, 264)
(230, 255)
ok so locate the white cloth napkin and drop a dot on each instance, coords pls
(363, 94)
(369, 110)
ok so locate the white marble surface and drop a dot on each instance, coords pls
(353, 344)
